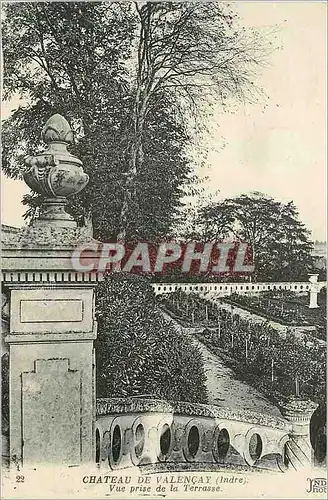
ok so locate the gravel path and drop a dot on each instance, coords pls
(224, 389)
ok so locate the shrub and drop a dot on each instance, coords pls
(138, 351)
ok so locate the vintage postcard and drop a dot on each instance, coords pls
(164, 249)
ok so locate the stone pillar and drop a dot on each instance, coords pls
(313, 278)
(51, 382)
(52, 325)
(5, 378)
(299, 452)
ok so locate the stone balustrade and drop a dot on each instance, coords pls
(137, 431)
(224, 289)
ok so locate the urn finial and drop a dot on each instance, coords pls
(57, 129)
(55, 173)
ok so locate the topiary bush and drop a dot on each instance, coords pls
(138, 351)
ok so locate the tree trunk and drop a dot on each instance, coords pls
(138, 119)
(136, 156)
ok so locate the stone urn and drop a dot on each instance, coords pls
(55, 173)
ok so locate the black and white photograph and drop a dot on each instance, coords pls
(164, 249)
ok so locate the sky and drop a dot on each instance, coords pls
(279, 150)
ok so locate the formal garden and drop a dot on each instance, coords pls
(285, 307)
(277, 365)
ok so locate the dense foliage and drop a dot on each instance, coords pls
(140, 352)
(132, 79)
(5, 394)
(280, 242)
(73, 58)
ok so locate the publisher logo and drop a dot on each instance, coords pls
(317, 485)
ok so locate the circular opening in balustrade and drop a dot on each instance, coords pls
(255, 447)
(193, 441)
(116, 444)
(165, 440)
(223, 443)
(139, 440)
(97, 447)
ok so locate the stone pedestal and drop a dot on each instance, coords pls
(52, 325)
(298, 451)
(50, 338)
(51, 374)
(53, 213)
(313, 278)
(313, 299)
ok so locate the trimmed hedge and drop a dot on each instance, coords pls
(138, 351)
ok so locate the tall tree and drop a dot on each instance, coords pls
(191, 51)
(128, 77)
(280, 242)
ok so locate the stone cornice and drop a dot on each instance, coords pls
(113, 406)
(50, 237)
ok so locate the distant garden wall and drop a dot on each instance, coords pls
(230, 288)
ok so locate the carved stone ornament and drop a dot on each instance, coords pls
(55, 173)
(296, 409)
